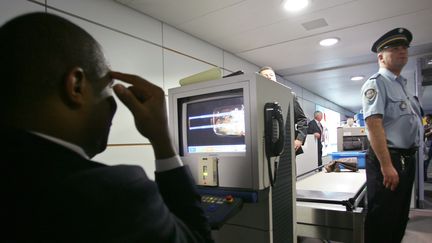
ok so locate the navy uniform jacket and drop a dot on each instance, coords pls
(52, 194)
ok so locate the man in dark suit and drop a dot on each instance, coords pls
(300, 119)
(57, 111)
(315, 128)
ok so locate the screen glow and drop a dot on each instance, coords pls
(216, 125)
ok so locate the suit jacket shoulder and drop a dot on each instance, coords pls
(313, 127)
(60, 193)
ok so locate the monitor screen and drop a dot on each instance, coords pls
(216, 125)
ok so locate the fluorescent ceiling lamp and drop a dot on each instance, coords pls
(357, 78)
(295, 5)
(430, 62)
(329, 41)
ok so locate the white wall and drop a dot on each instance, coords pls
(139, 44)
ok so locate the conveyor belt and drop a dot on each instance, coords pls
(333, 188)
(327, 205)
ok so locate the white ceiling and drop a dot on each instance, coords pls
(261, 32)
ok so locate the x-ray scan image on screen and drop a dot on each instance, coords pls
(229, 121)
(216, 125)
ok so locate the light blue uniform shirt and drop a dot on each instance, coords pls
(386, 94)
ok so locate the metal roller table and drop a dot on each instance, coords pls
(330, 205)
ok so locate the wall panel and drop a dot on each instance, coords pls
(113, 15)
(11, 9)
(234, 63)
(177, 66)
(187, 44)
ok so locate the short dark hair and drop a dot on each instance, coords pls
(265, 68)
(38, 49)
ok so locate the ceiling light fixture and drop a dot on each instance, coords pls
(430, 62)
(357, 78)
(329, 41)
(295, 5)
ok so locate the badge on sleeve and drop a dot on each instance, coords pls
(370, 94)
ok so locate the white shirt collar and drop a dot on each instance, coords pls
(63, 143)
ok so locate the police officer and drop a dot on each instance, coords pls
(393, 120)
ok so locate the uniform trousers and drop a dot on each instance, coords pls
(427, 161)
(387, 211)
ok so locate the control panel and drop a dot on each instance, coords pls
(219, 209)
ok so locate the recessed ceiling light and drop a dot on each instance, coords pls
(430, 62)
(329, 41)
(295, 5)
(357, 78)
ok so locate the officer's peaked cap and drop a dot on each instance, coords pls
(395, 37)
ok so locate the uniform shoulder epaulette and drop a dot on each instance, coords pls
(375, 76)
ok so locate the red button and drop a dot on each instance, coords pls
(229, 199)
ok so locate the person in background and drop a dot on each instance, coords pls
(57, 114)
(315, 127)
(428, 143)
(300, 119)
(393, 120)
(350, 123)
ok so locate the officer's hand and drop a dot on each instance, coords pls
(391, 177)
(297, 144)
(146, 101)
(317, 135)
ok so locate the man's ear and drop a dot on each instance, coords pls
(380, 56)
(74, 86)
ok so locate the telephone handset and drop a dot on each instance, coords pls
(273, 135)
(274, 129)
